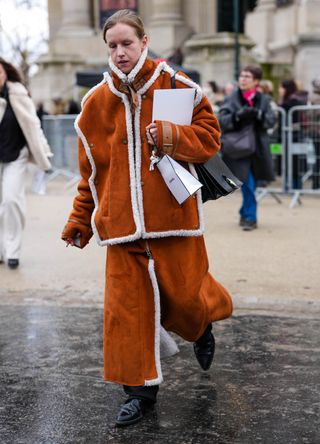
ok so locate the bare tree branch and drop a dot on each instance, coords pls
(24, 47)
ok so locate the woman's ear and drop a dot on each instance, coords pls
(144, 41)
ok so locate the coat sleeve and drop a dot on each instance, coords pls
(80, 217)
(193, 143)
(268, 118)
(29, 122)
(226, 116)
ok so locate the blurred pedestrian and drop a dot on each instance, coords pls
(247, 106)
(177, 57)
(229, 88)
(73, 107)
(21, 139)
(289, 97)
(266, 88)
(41, 112)
(157, 276)
(302, 93)
(315, 100)
(214, 94)
(58, 106)
(315, 95)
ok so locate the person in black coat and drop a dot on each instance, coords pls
(246, 106)
(289, 97)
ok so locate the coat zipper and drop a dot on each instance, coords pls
(148, 251)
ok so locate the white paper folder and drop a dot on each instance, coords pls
(173, 105)
(176, 106)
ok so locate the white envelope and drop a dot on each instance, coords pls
(173, 105)
(180, 182)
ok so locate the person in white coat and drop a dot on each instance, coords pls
(21, 140)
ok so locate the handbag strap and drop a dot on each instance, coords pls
(173, 80)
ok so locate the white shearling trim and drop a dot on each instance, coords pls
(138, 161)
(153, 78)
(116, 70)
(165, 67)
(120, 240)
(157, 325)
(159, 234)
(113, 88)
(135, 211)
(152, 235)
(131, 158)
(91, 178)
(192, 84)
(132, 74)
(168, 68)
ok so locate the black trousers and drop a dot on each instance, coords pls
(148, 393)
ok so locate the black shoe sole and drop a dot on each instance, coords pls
(130, 422)
(248, 228)
(13, 263)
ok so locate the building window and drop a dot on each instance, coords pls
(109, 7)
(225, 14)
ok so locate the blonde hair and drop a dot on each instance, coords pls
(127, 17)
(266, 86)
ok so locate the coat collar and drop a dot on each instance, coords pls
(16, 88)
(129, 78)
(137, 77)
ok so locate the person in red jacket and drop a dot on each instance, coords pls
(157, 277)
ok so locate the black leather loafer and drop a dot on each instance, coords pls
(132, 411)
(13, 263)
(204, 348)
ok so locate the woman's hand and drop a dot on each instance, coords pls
(153, 138)
(73, 241)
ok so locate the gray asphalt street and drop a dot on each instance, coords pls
(263, 386)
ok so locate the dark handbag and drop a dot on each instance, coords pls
(239, 144)
(216, 178)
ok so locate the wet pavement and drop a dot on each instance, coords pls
(262, 388)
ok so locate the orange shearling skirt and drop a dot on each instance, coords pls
(169, 288)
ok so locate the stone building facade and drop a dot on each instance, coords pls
(281, 34)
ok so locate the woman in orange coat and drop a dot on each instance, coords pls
(157, 276)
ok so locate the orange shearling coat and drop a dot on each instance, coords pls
(121, 201)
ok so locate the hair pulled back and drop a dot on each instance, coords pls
(127, 17)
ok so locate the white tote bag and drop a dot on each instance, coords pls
(180, 182)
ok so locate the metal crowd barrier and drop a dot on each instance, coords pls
(295, 148)
(277, 136)
(61, 135)
(303, 168)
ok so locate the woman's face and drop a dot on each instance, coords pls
(281, 92)
(3, 76)
(247, 81)
(124, 46)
